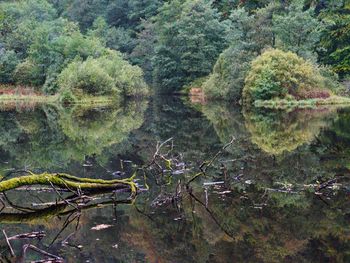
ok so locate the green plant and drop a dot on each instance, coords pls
(28, 73)
(88, 77)
(106, 75)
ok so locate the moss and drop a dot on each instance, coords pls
(66, 181)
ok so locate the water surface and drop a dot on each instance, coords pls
(278, 193)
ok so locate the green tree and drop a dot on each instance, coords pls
(8, 62)
(144, 50)
(85, 12)
(335, 38)
(143, 9)
(115, 38)
(297, 30)
(190, 37)
(248, 35)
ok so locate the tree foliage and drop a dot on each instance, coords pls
(190, 37)
(297, 30)
(287, 25)
(37, 44)
(174, 42)
(248, 35)
(335, 37)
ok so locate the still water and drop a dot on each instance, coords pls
(278, 193)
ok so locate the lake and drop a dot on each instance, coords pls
(277, 192)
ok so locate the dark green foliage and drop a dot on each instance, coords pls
(336, 37)
(36, 45)
(190, 37)
(85, 12)
(8, 63)
(144, 51)
(248, 35)
(297, 30)
(174, 42)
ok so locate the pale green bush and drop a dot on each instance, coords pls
(276, 74)
(106, 75)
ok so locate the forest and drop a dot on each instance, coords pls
(174, 131)
(232, 50)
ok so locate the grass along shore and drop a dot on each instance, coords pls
(308, 103)
(54, 99)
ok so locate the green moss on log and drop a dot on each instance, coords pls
(67, 181)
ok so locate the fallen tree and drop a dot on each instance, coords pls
(69, 182)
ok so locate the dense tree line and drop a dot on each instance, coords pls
(174, 42)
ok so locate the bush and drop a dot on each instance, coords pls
(276, 74)
(28, 73)
(50, 86)
(107, 75)
(128, 79)
(87, 77)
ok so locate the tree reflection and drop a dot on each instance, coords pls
(52, 137)
(276, 132)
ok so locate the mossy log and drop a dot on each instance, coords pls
(69, 182)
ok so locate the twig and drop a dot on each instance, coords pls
(206, 164)
(63, 199)
(67, 222)
(34, 248)
(8, 244)
(32, 235)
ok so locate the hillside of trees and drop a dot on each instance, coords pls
(113, 47)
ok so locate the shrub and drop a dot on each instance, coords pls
(50, 86)
(106, 75)
(28, 73)
(88, 77)
(128, 79)
(276, 73)
(331, 81)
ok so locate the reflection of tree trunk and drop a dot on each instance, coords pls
(52, 211)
